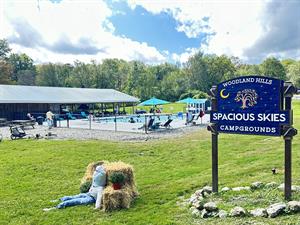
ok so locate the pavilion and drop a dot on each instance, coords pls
(17, 100)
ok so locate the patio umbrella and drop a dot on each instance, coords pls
(188, 100)
(154, 101)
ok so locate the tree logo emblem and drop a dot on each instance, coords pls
(248, 98)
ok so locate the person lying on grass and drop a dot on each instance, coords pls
(94, 195)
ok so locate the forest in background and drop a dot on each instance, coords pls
(166, 81)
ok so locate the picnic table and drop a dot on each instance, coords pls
(23, 123)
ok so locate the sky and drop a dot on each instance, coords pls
(152, 31)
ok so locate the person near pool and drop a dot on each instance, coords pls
(94, 195)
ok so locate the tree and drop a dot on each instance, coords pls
(293, 73)
(46, 75)
(20, 62)
(80, 76)
(26, 77)
(197, 73)
(5, 72)
(246, 96)
(272, 67)
(247, 69)
(4, 49)
(173, 85)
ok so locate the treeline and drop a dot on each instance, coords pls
(166, 81)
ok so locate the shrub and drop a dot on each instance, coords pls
(117, 177)
(84, 187)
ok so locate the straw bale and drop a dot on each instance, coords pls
(121, 167)
(116, 199)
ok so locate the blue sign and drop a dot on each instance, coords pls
(250, 105)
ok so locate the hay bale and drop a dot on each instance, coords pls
(121, 167)
(115, 199)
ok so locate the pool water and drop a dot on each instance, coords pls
(140, 118)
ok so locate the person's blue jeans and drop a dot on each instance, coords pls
(81, 199)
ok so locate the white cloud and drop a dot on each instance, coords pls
(183, 57)
(68, 31)
(236, 25)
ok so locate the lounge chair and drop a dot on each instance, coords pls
(149, 125)
(70, 116)
(83, 115)
(167, 123)
(190, 120)
(17, 132)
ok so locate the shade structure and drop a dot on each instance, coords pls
(154, 101)
(188, 101)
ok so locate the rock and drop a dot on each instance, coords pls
(210, 206)
(241, 188)
(224, 189)
(205, 214)
(281, 186)
(256, 185)
(276, 209)
(294, 206)
(196, 213)
(260, 212)
(199, 193)
(222, 214)
(295, 188)
(207, 189)
(238, 212)
(198, 205)
(271, 185)
(193, 199)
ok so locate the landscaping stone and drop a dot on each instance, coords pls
(224, 189)
(196, 213)
(222, 214)
(294, 206)
(193, 199)
(256, 185)
(198, 205)
(295, 188)
(205, 214)
(211, 206)
(260, 212)
(241, 188)
(281, 186)
(276, 209)
(199, 192)
(271, 185)
(207, 189)
(238, 212)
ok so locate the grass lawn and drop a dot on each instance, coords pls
(34, 172)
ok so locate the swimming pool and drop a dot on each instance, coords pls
(139, 118)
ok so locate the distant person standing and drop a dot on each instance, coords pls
(49, 118)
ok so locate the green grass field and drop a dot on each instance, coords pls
(34, 172)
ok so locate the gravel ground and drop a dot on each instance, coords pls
(86, 134)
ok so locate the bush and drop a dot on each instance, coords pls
(85, 187)
(117, 177)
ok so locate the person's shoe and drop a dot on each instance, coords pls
(54, 200)
(48, 209)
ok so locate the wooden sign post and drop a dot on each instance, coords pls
(253, 105)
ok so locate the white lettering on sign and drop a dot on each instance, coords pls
(248, 80)
(261, 117)
(234, 128)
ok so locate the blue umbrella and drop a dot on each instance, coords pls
(154, 101)
(188, 101)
